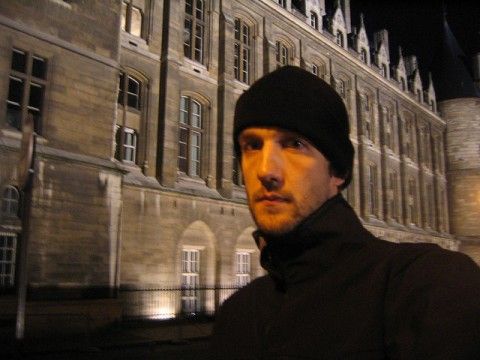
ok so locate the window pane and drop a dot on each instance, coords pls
(36, 96)
(15, 91)
(237, 29)
(124, 16)
(136, 22)
(14, 116)
(19, 60)
(39, 67)
(196, 114)
(184, 108)
(188, 7)
(198, 42)
(199, 10)
(187, 38)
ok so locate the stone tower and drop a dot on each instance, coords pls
(459, 103)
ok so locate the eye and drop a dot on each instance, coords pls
(294, 143)
(250, 144)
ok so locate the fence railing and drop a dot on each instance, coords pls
(171, 302)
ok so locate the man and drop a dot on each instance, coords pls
(333, 290)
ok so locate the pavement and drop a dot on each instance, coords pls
(123, 335)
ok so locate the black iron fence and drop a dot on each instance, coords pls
(173, 302)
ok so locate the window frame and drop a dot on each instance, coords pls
(372, 182)
(190, 280)
(243, 268)
(10, 206)
(28, 80)
(194, 35)
(314, 20)
(126, 23)
(124, 93)
(8, 260)
(282, 54)
(242, 52)
(191, 130)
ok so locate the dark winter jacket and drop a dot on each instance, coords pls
(334, 291)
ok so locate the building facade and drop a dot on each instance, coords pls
(136, 184)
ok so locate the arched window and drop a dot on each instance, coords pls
(129, 91)
(190, 136)
(282, 54)
(314, 20)
(10, 201)
(242, 51)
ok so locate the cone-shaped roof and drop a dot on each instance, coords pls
(450, 75)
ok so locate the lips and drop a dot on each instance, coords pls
(271, 198)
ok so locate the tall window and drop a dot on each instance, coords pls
(132, 18)
(403, 83)
(126, 144)
(339, 38)
(8, 249)
(237, 171)
(384, 70)
(10, 201)
(363, 55)
(282, 54)
(411, 201)
(129, 91)
(409, 140)
(194, 30)
(190, 136)
(242, 43)
(368, 123)
(372, 190)
(190, 281)
(392, 195)
(314, 20)
(340, 87)
(387, 128)
(242, 268)
(431, 206)
(27, 82)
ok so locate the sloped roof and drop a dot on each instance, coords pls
(449, 68)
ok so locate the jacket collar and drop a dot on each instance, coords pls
(312, 245)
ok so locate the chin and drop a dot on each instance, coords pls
(274, 226)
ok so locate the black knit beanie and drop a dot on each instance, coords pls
(293, 99)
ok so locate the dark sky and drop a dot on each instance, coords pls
(417, 25)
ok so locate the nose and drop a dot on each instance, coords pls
(270, 170)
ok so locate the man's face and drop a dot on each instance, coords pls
(285, 176)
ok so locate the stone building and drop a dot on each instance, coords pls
(136, 185)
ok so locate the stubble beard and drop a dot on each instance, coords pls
(275, 223)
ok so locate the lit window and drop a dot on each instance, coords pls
(194, 30)
(372, 189)
(282, 54)
(190, 136)
(411, 201)
(392, 195)
(26, 89)
(363, 55)
(10, 201)
(8, 249)
(132, 19)
(190, 281)
(339, 38)
(314, 20)
(129, 91)
(242, 43)
(242, 268)
(126, 144)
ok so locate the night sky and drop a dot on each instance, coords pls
(417, 25)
